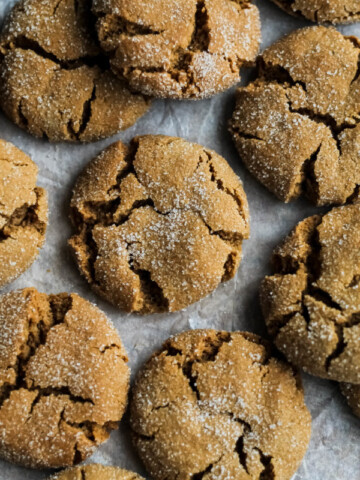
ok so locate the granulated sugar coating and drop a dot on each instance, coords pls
(187, 49)
(312, 302)
(54, 81)
(159, 224)
(64, 378)
(321, 11)
(23, 213)
(216, 405)
(96, 472)
(352, 396)
(297, 126)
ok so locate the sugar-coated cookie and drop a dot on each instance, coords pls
(64, 378)
(311, 303)
(213, 404)
(296, 127)
(54, 82)
(188, 49)
(23, 213)
(159, 224)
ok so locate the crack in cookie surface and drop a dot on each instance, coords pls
(159, 224)
(56, 404)
(189, 50)
(41, 54)
(200, 408)
(311, 303)
(303, 103)
(23, 213)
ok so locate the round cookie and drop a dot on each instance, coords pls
(296, 127)
(64, 378)
(159, 223)
(311, 303)
(213, 404)
(188, 49)
(23, 213)
(96, 472)
(54, 81)
(322, 11)
(352, 396)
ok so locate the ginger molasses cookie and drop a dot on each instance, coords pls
(189, 49)
(321, 11)
(352, 396)
(96, 472)
(64, 378)
(311, 303)
(23, 213)
(159, 223)
(54, 81)
(297, 126)
(213, 404)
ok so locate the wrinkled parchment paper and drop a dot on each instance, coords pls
(334, 451)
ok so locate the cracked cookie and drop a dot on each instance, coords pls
(64, 378)
(159, 223)
(296, 127)
(54, 81)
(352, 396)
(214, 404)
(23, 213)
(96, 472)
(322, 11)
(189, 49)
(311, 303)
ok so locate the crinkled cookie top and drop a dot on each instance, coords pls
(187, 49)
(159, 223)
(55, 83)
(214, 404)
(296, 127)
(63, 378)
(312, 302)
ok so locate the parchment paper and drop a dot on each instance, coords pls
(334, 451)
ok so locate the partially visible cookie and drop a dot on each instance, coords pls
(23, 213)
(212, 404)
(159, 224)
(188, 49)
(322, 11)
(296, 127)
(54, 81)
(63, 378)
(311, 303)
(352, 396)
(96, 472)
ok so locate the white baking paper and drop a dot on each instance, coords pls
(334, 451)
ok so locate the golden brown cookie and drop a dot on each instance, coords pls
(23, 213)
(159, 223)
(54, 81)
(213, 404)
(96, 472)
(352, 396)
(188, 49)
(311, 303)
(297, 126)
(322, 11)
(64, 378)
